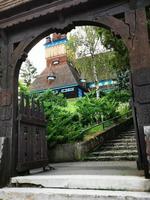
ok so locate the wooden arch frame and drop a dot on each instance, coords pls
(15, 44)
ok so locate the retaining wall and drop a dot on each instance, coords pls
(77, 151)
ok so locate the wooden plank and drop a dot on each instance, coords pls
(31, 140)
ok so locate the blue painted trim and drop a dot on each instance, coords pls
(57, 88)
(101, 83)
(56, 42)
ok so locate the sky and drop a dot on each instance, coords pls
(37, 56)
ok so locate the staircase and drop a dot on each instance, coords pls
(123, 147)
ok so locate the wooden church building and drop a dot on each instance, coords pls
(58, 75)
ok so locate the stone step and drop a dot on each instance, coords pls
(119, 144)
(114, 153)
(125, 147)
(111, 158)
(69, 194)
(125, 141)
(96, 182)
(126, 136)
(129, 131)
(122, 140)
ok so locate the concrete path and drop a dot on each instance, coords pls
(80, 181)
(121, 176)
(123, 168)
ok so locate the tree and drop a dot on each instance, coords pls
(114, 43)
(103, 66)
(71, 48)
(22, 88)
(120, 61)
(85, 52)
(28, 72)
(123, 80)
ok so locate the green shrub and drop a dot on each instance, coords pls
(123, 108)
(122, 96)
(65, 121)
(92, 110)
(64, 128)
(123, 80)
(62, 125)
(50, 98)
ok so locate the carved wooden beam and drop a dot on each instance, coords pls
(140, 49)
(117, 26)
(19, 52)
(50, 8)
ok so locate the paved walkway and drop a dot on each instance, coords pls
(125, 168)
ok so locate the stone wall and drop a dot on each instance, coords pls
(77, 151)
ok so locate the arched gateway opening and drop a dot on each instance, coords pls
(21, 31)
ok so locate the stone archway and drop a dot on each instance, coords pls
(18, 37)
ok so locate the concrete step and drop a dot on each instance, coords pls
(128, 133)
(114, 153)
(121, 136)
(132, 131)
(69, 194)
(123, 147)
(91, 182)
(133, 140)
(111, 158)
(119, 143)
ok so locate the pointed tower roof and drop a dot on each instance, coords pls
(61, 72)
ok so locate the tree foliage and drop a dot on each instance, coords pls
(103, 66)
(123, 80)
(84, 51)
(120, 61)
(28, 72)
(22, 88)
